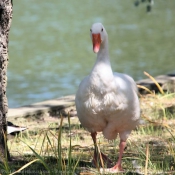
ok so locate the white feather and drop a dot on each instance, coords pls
(107, 101)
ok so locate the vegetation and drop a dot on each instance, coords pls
(68, 149)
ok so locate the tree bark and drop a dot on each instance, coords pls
(5, 22)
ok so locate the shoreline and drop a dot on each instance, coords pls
(66, 105)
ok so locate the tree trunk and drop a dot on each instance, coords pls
(5, 22)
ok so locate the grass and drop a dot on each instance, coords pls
(64, 147)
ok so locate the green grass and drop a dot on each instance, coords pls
(68, 148)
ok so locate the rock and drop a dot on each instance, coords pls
(167, 82)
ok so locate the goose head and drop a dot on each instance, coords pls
(98, 35)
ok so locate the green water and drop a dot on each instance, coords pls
(50, 49)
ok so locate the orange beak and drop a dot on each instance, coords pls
(96, 40)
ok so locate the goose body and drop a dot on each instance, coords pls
(106, 101)
(108, 106)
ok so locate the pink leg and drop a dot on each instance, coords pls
(118, 166)
(96, 159)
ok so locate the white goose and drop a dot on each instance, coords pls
(107, 101)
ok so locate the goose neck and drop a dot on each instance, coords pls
(103, 54)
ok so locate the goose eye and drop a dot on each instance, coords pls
(102, 29)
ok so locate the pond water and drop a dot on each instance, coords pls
(50, 50)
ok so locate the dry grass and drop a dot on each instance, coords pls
(150, 148)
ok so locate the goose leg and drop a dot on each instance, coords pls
(118, 166)
(97, 157)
